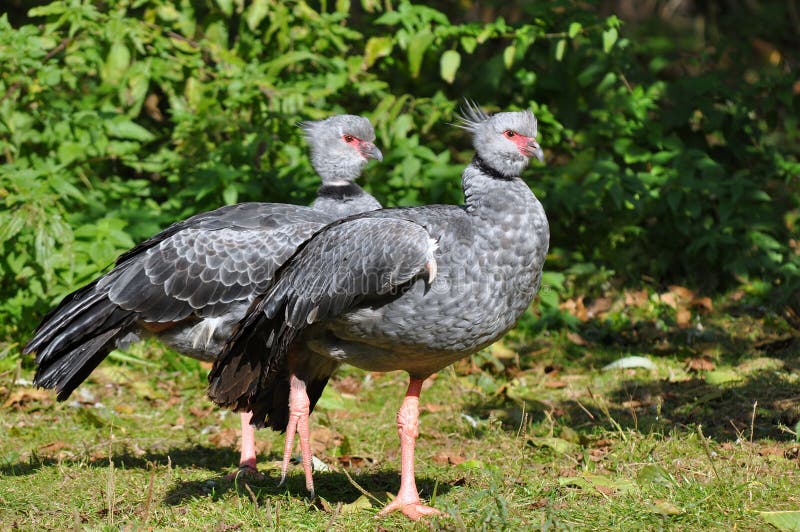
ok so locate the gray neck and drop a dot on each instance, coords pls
(488, 194)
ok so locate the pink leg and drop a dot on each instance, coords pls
(407, 500)
(247, 457)
(299, 406)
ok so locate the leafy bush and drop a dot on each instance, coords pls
(117, 119)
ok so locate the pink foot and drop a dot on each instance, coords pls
(407, 500)
(411, 508)
(247, 457)
(245, 472)
(299, 406)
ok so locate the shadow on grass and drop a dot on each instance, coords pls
(636, 401)
(213, 458)
(333, 486)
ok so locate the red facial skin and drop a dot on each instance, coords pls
(363, 147)
(524, 144)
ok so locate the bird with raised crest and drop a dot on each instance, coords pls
(411, 289)
(191, 283)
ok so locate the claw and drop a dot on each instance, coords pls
(299, 406)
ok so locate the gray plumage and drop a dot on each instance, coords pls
(333, 161)
(374, 291)
(191, 283)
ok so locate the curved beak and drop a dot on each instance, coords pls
(371, 151)
(535, 149)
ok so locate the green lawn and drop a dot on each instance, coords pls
(530, 434)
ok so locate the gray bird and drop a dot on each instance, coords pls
(191, 283)
(411, 289)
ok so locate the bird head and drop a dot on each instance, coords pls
(341, 146)
(505, 141)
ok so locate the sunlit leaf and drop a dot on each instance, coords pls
(561, 46)
(256, 12)
(416, 50)
(448, 65)
(609, 38)
(786, 521)
(377, 47)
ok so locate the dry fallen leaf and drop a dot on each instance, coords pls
(22, 396)
(324, 439)
(577, 339)
(448, 458)
(355, 462)
(683, 317)
(702, 303)
(636, 298)
(575, 307)
(349, 385)
(200, 412)
(227, 437)
(598, 307)
(700, 364)
(52, 448)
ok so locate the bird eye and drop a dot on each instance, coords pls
(509, 134)
(348, 138)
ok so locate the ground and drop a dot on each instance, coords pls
(531, 433)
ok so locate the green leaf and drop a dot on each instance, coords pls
(599, 483)
(653, 474)
(362, 503)
(117, 62)
(787, 521)
(54, 8)
(609, 38)
(230, 194)
(127, 129)
(448, 65)
(377, 47)
(256, 13)
(662, 507)
(69, 151)
(722, 376)
(557, 444)
(574, 29)
(416, 50)
(343, 6)
(508, 56)
(226, 6)
(469, 44)
(561, 46)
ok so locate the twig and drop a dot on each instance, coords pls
(753, 421)
(149, 496)
(333, 517)
(604, 409)
(591, 416)
(359, 488)
(707, 450)
(252, 495)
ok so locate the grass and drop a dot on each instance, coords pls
(531, 434)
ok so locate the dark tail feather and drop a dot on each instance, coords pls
(72, 305)
(237, 374)
(75, 337)
(70, 369)
(252, 374)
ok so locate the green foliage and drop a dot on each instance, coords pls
(118, 119)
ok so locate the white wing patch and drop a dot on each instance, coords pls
(430, 260)
(203, 332)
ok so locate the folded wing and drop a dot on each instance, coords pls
(334, 271)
